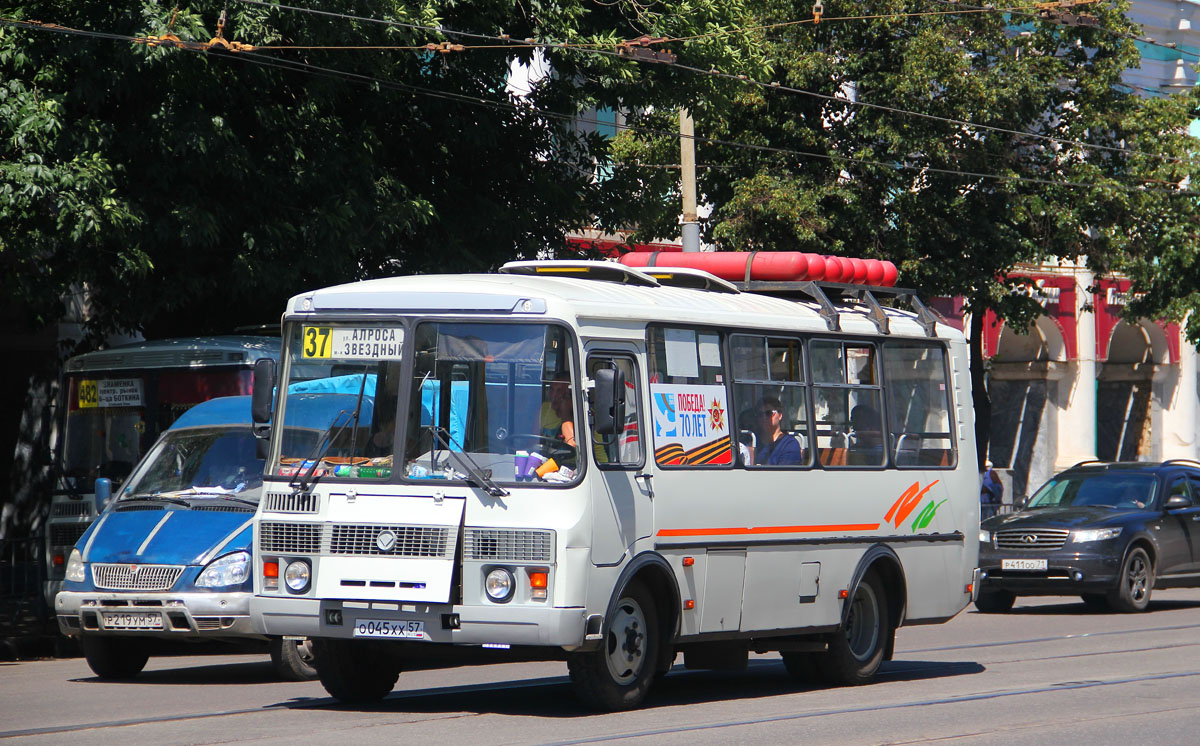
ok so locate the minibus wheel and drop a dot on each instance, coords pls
(856, 651)
(292, 659)
(353, 671)
(618, 674)
(114, 657)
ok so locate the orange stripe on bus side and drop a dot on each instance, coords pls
(744, 531)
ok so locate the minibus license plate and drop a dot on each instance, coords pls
(116, 620)
(1023, 564)
(405, 628)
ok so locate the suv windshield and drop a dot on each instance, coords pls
(1117, 490)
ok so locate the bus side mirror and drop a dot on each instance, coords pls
(610, 401)
(103, 493)
(264, 391)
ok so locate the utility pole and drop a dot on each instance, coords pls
(687, 163)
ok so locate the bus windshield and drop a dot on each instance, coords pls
(484, 402)
(114, 417)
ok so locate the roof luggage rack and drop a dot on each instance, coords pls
(866, 295)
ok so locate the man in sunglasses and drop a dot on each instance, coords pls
(777, 447)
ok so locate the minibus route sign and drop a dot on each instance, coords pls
(352, 343)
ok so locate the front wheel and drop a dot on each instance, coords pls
(115, 657)
(353, 671)
(995, 602)
(856, 652)
(293, 659)
(1134, 584)
(618, 674)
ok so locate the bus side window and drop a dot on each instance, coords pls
(770, 398)
(918, 403)
(625, 448)
(847, 404)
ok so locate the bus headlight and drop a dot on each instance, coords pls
(232, 569)
(296, 576)
(75, 571)
(985, 537)
(499, 584)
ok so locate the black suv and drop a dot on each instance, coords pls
(1109, 532)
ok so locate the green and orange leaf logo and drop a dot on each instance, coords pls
(907, 503)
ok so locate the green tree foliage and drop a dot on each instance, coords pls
(193, 191)
(1024, 147)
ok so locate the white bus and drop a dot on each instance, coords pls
(630, 464)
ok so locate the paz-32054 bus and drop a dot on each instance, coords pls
(620, 465)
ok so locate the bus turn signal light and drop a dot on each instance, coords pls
(689, 561)
(271, 575)
(537, 584)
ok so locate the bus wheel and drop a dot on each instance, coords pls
(115, 657)
(994, 602)
(293, 659)
(618, 674)
(354, 671)
(856, 652)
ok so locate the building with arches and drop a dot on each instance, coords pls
(1082, 383)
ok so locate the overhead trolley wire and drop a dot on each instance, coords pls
(843, 160)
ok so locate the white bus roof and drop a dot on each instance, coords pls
(179, 352)
(617, 299)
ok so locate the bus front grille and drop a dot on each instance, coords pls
(508, 545)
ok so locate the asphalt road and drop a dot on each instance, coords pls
(1046, 673)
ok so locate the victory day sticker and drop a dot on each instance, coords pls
(691, 427)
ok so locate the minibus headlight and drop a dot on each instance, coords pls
(296, 576)
(499, 584)
(232, 569)
(75, 571)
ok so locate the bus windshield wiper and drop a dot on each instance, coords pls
(476, 474)
(303, 480)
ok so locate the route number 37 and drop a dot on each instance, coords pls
(317, 341)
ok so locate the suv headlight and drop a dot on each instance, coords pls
(75, 571)
(1095, 534)
(985, 537)
(232, 569)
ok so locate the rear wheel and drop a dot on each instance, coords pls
(293, 659)
(995, 602)
(856, 652)
(354, 671)
(618, 674)
(1134, 584)
(115, 657)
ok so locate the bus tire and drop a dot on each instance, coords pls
(618, 674)
(856, 651)
(995, 602)
(354, 671)
(115, 657)
(293, 659)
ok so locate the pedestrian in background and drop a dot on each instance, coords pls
(991, 492)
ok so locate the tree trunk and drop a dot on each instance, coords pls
(979, 392)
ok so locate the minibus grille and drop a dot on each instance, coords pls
(505, 545)
(123, 577)
(290, 538)
(393, 541)
(1039, 539)
(71, 510)
(66, 534)
(283, 502)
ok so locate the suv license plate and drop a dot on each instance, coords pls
(117, 620)
(1023, 564)
(396, 628)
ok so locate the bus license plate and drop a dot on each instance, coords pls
(116, 620)
(1023, 564)
(396, 628)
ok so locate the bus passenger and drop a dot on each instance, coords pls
(776, 446)
(866, 430)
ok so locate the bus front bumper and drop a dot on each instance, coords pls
(439, 623)
(195, 614)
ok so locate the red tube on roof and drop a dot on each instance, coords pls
(772, 266)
